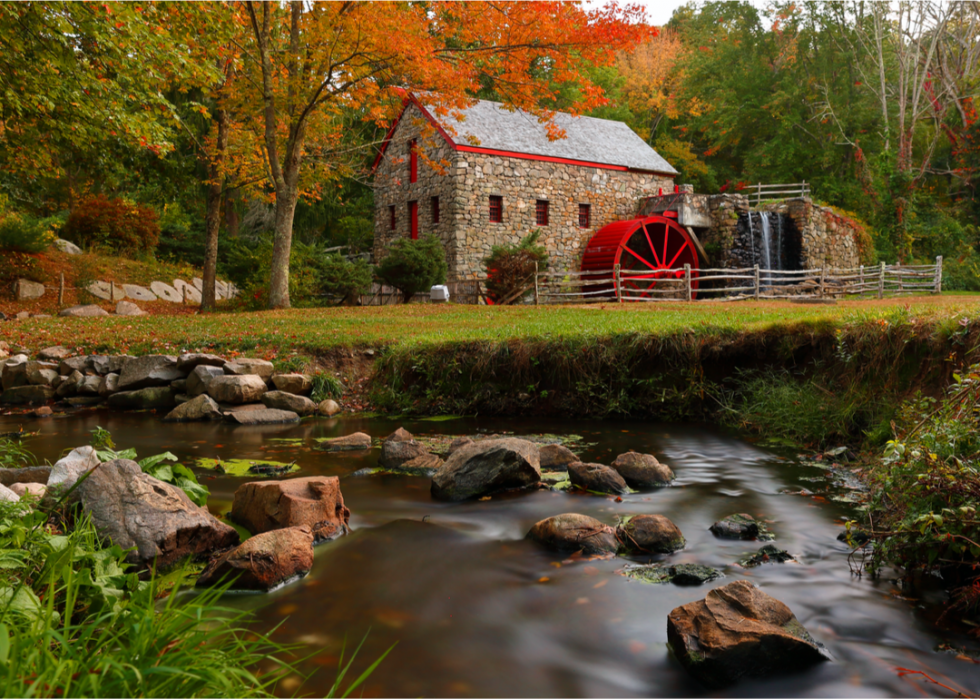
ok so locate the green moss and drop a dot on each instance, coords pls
(247, 467)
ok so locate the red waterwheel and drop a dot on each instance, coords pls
(649, 251)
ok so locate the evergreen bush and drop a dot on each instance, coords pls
(414, 265)
(511, 268)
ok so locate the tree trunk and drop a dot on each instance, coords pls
(212, 219)
(282, 244)
(232, 219)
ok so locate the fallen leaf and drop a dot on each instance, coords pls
(599, 584)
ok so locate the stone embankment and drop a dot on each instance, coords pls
(189, 387)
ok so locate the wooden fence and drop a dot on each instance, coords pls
(759, 193)
(686, 284)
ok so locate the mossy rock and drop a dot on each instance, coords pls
(678, 574)
(247, 467)
(767, 554)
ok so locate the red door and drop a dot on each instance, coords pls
(413, 216)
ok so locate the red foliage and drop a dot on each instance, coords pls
(114, 225)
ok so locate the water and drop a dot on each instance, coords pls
(477, 611)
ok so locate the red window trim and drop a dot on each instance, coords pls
(541, 212)
(413, 218)
(435, 210)
(585, 209)
(496, 209)
(391, 215)
(413, 161)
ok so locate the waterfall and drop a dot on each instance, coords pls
(766, 245)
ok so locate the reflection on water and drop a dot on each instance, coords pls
(477, 611)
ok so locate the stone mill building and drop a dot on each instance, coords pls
(502, 178)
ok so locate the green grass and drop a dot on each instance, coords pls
(316, 331)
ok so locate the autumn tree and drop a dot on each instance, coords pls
(309, 62)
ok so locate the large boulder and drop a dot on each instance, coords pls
(144, 399)
(202, 407)
(70, 365)
(7, 495)
(67, 470)
(328, 407)
(28, 474)
(149, 370)
(68, 385)
(109, 385)
(13, 372)
(26, 290)
(642, 470)
(740, 526)
(27, 395)
(155, 519)
(42, 373)
(299, 384)
(88, 386)
(67, 247)
(188, 361)
(56, 353)
(650, 534)
(596, 478)
(399, 435)
(128, 308)
(264, 561)
(32, 490)
(349, 442)
(89, 311)
(247, 366)
(575, 532)
(487, 466)
(738, 631)
(200, 377)
(261, 416)
(282, 400)
(555, 457)
(395, 453)
(316, 502)
(247, 388)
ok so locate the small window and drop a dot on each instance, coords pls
(541, 212)
(413, 218)
(584, 215)
(496, 209)
(391, 215)
(435, 210)
(413, 162)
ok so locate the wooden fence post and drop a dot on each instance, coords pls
(823, 281)
(881, 281)
(898, 268)
(535, 283)
(184, 289)
(862, 278)
(687, 280)
(939, 276)
(112, 292)
(617, 284)
(61, 290)
(756, 283)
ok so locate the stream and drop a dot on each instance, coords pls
(475, 610)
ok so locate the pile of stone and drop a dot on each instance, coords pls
(158, 525)
(190, 387)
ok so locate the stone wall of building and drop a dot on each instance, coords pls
(828, 238)
(471, 179)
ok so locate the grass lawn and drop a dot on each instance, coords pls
(313, 331)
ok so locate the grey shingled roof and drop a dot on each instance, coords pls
(588, 138)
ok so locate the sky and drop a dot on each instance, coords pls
(658, 11)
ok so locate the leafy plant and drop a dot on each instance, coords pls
(326, 386)
(114, 225)
(14, 455)
(21, 233)
(412, 266)
(163, 466)
(340, 278)
(511, 268)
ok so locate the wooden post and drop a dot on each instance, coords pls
(823, 280)
(862, 279)
(535, 282)
(687, 281)
(756, 283)
(184, 289)
(898, 271)
(938, 289)
(61, 290)
(881, 281)
(617, 281)
(112, 292)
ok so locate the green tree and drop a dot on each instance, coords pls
(414, 265)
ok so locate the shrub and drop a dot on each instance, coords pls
(326, 386)
(182, 236)
(341, 278)
(414, 265)
(23, 233)
(114, 225)
(510, 268)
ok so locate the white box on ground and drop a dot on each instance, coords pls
(439, 293)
